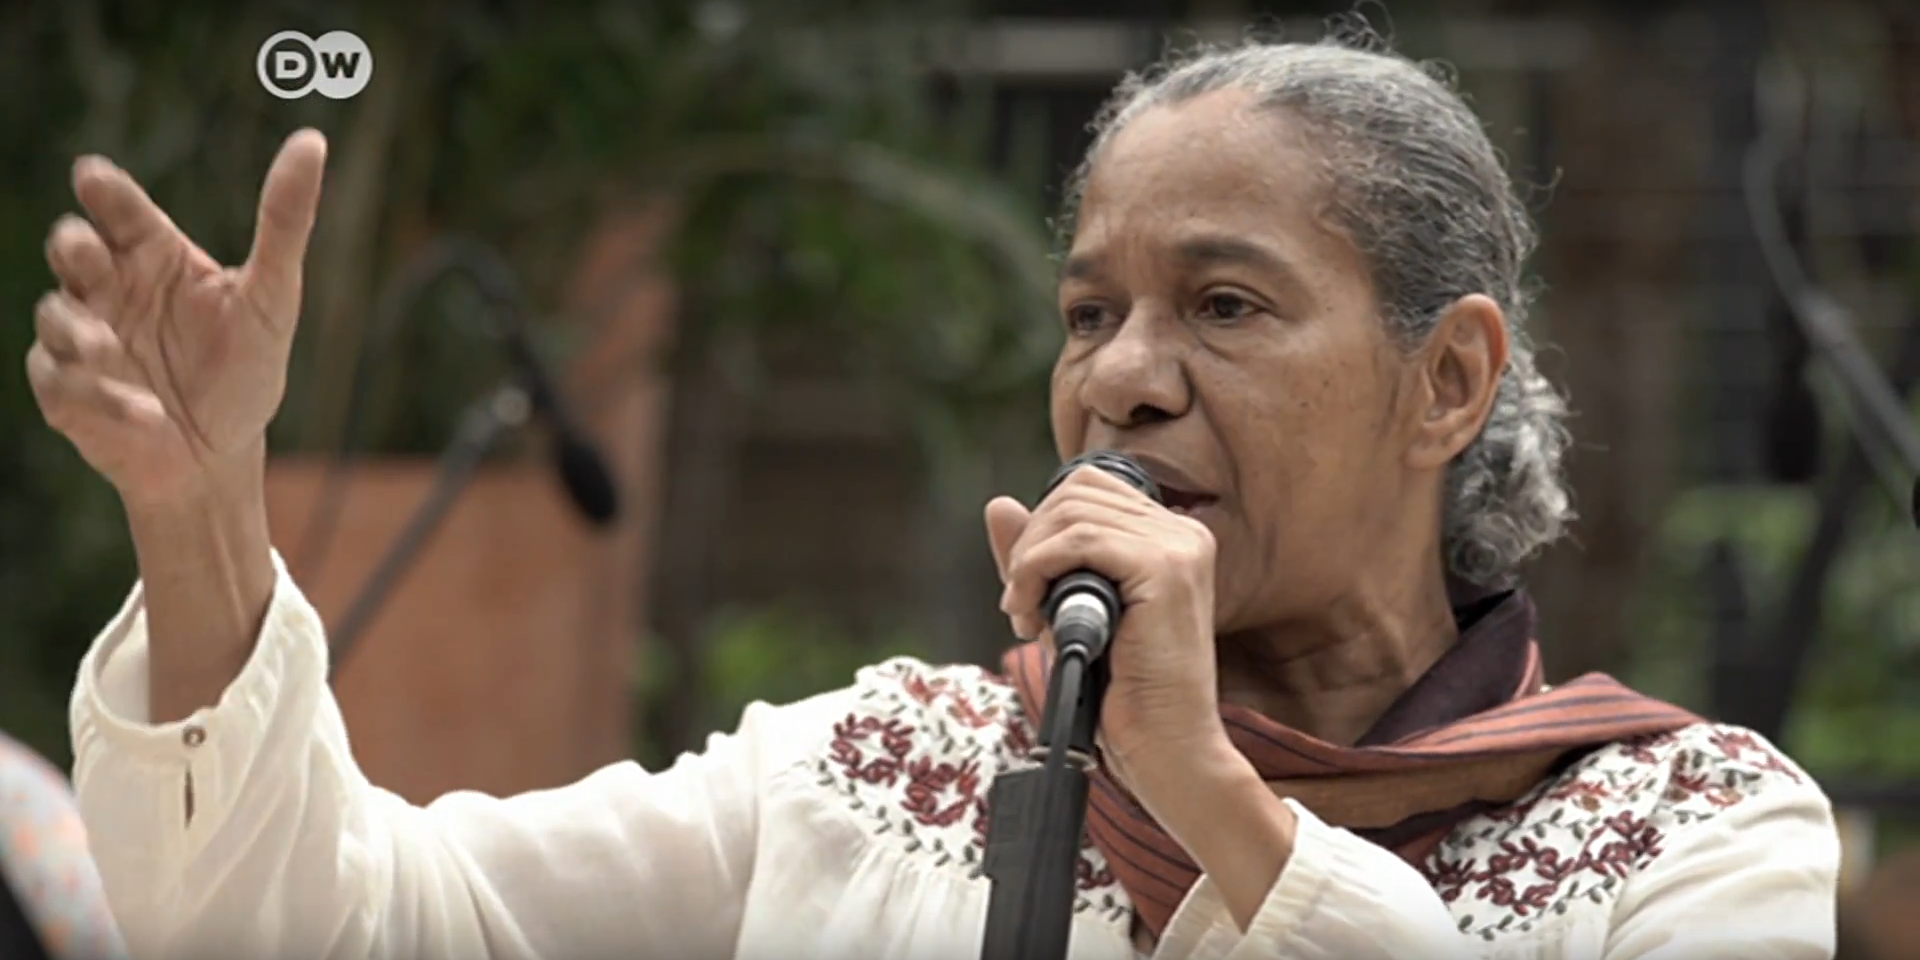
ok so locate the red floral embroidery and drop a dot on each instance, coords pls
(1586, 794)
(1091, 877)
(1549, 868)
(919, 752)
(1647, 749)
(981, 818)
(959, 707)
(896, 740)
(1583, 834)
(928, 744)
(939, 794)
(1742, 746)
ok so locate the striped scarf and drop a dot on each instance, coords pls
(1475, 733)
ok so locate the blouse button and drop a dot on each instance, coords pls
(193, 736)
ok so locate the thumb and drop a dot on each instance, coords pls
(1006, 520)
(289, 203)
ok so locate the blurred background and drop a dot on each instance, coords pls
(788, 260)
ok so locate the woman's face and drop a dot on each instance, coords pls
(1220, 329)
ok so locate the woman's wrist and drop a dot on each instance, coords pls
(1180, 781)
(1213, 802)
(206, 568)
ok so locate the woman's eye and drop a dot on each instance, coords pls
(1224, 306)
(1085, 317)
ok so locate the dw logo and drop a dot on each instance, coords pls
(337, 65)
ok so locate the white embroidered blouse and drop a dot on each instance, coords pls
(850, 825)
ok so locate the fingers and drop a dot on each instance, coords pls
(1037, 563)
(70, 334)
(124, 214)
(1095, 522)
(74, 399)
(1006, 518)
(289, 203)
(79, 257)
(72, 368)
(1092, 478)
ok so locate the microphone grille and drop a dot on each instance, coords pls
(1116, 464)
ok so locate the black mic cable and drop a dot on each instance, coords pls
(1877, 414)
(583, 472)
(506, 407)
(1038, 815)
(1884, 444)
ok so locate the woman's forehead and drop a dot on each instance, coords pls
(1217, 164)
(1218, 173)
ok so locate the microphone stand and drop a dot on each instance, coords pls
(1037, 816)
(1885, 441)
(1877, 412)
(528, 391)
(1035, 820)
(506, 407)
(490, 276)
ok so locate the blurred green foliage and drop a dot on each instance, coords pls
(755, 654)
(1857, 713)
(798, 144)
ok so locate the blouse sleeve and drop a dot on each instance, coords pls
(1741, 873)
(288, 850)
(1759, 881)
(1339, 898)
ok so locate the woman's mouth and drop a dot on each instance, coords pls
(1179, 490)
(1183, 502)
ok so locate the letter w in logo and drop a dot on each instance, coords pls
(340, 63)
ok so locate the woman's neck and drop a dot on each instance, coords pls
(1334, 676)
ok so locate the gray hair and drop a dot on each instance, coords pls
(1421, 192)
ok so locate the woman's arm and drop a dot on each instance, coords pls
(1758, 881)
(1337, 898)
(291, 852)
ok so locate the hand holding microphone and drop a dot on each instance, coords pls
(1161, 705)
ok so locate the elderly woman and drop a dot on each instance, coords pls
(1294, 292)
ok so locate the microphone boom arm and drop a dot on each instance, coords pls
(1874, 409)
(504, 408)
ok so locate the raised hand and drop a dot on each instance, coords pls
(161, 366)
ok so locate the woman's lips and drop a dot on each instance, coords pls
(1179, 490)
(1184, 502)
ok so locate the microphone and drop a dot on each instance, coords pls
(1082, 607)
(530, 390)
(1036, 816)
(583, 471)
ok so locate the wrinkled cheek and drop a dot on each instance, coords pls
(1242, 574)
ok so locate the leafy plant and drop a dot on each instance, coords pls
(777, 654)
(821, 194)
(1857, 712)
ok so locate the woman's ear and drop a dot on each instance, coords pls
(1458, 374)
